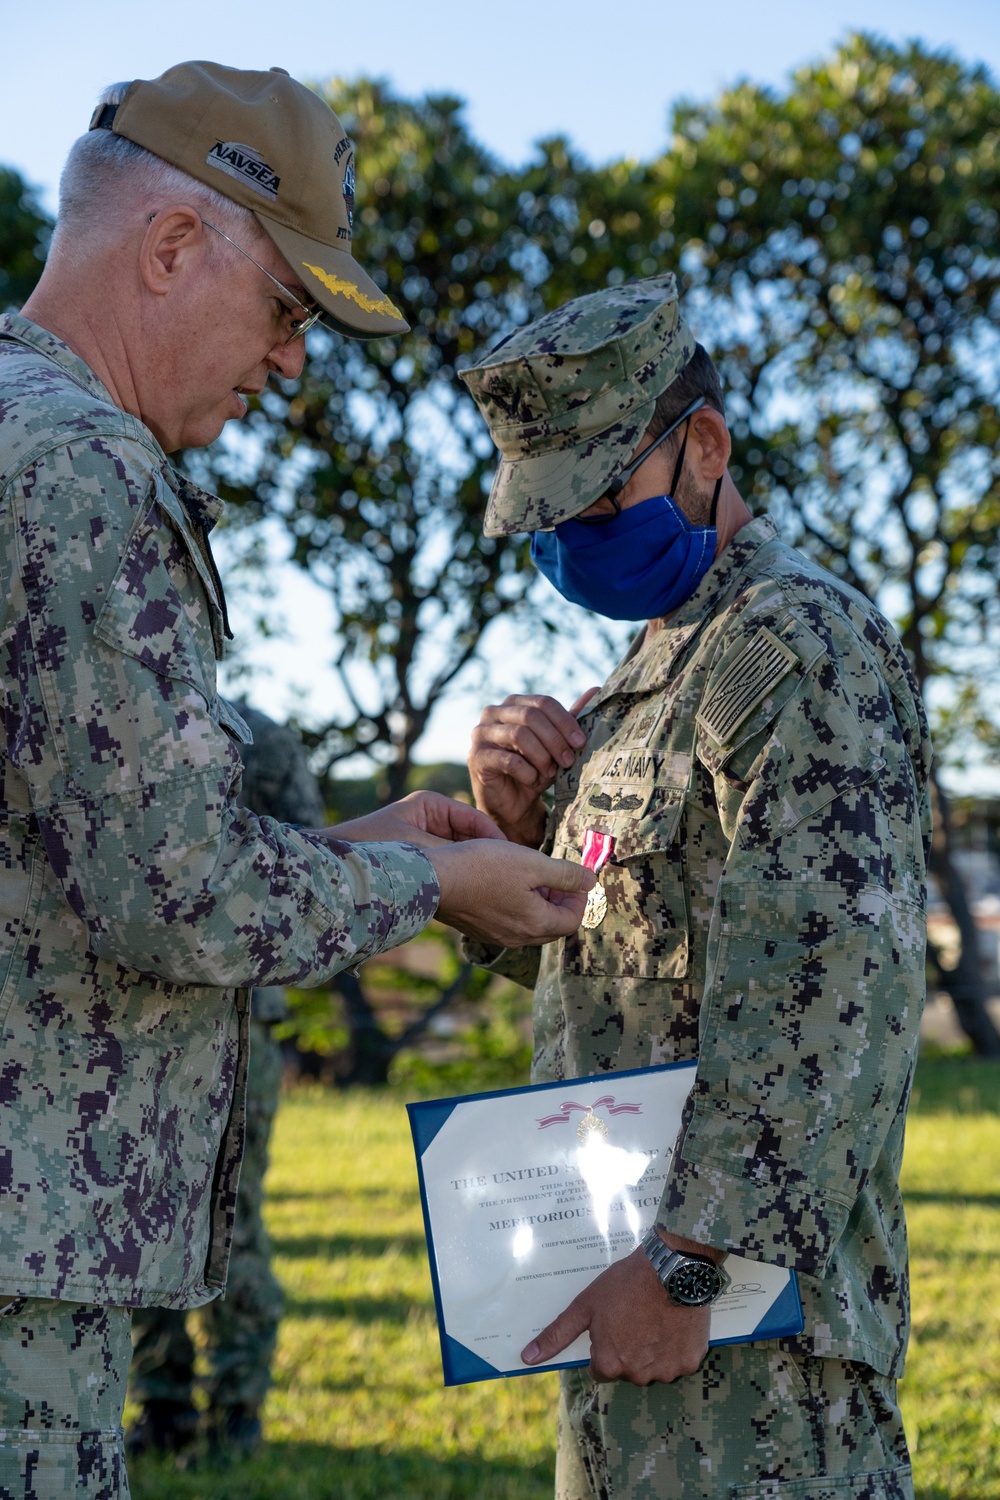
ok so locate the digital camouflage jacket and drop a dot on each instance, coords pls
(139, 902)
(762, 766)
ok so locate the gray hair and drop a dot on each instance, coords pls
(109, 183)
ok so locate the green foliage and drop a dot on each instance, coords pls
(315, 1022)
(941, 1051)
(837, 244)
(487, 1045)
(443, 776)
(957, 1086)
(358, 1409)
(494, 1053)
(353, 797)
(24, 230)
(841, 253)
(951, 1393)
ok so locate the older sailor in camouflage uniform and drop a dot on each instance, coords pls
(756, 770)
(140, 902)
(241, 1328)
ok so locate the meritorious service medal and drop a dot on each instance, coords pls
(597, 850)
(591, 1126)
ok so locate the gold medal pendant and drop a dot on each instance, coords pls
(597, 850)
(597, 907)
(591, 1128)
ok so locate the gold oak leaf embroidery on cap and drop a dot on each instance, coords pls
(347, 289)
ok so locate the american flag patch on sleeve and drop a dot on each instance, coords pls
(747, 680)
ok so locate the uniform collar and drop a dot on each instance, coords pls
(727, 570)
(23, 331)
(203, 507)
(647, 667)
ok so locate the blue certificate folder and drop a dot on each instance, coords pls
(529, 1193)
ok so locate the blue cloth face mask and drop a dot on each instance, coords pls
(639, 564)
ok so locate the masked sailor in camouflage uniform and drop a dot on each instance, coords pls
(755, 773)
(203, 222)
(241, 1328)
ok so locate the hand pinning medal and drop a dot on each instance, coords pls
(597, 850)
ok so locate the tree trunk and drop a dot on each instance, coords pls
(965, 982)
(392, 782)
(372, 1048)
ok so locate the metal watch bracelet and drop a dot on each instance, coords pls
(666, 1263)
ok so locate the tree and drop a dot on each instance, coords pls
(840, 250)
(24, 231)
(837, 245)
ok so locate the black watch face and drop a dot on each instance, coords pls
(694, 1284)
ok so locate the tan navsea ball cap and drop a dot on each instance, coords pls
(276, 148)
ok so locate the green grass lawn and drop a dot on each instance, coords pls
(358, 1411)
(951, 1179)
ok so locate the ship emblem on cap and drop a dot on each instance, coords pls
(349, 190)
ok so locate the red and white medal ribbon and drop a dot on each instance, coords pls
(597, 850)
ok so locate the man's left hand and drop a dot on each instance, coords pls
(427, 819)
(636, 1332)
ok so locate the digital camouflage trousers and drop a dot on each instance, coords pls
(63, 1370)
(754, 1423)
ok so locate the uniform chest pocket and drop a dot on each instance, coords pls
(644, 933)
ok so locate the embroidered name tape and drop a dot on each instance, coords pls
(746, 682)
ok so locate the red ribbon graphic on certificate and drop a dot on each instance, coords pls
(597, 850)
(562, 1115)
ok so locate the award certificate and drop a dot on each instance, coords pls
(528, 1194)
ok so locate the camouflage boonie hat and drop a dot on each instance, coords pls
(568, 397)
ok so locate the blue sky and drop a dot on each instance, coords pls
(604, 75)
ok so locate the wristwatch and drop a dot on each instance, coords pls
(688, 1280)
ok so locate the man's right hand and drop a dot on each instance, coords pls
(517, 748)
(507, 896)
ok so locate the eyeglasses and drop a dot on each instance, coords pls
(621, 479)
(297, 326)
